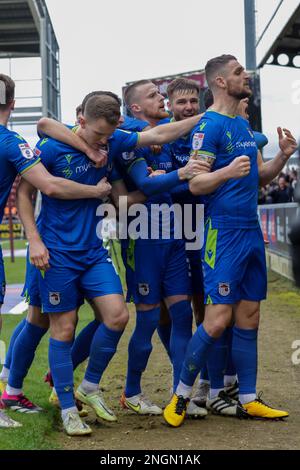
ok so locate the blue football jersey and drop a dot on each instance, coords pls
(71, 224)
(161, 161)
(133, 124)
(16, 157)
(220, 139)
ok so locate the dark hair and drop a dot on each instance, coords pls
(182, 85)
(100, 93)
(129, 93)
(208, 98)
(7, 91)
(103, 106)
(78, 110)
(214, 67)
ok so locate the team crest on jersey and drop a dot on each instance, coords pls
(144, 289)
(54, 298)
(198, 140)
(128, 156)
(26, 151)
(3, 289)
(224, 289)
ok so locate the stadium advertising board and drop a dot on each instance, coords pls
(276, 221)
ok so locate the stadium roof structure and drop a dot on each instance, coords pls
(26, 31)
(198, 75)
(281, 36)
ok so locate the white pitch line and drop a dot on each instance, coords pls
(19, 308)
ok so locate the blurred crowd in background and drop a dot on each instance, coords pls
(281, 190)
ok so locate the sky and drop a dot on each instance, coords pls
(106, 43)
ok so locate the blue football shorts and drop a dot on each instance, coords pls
(234, 265)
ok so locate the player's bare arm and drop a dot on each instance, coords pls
(165, 133)
(133, 197)
(38, 253)
(269, 170)
(206, 183)
(60, 132)
(62, 188)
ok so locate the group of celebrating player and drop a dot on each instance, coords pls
(213, 159)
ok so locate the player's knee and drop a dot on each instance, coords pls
(67, 332)
(64, 331)
(120, 319)
(215, 328)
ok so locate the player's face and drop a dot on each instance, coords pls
(184, 104)
(150, 102)
(237, 81)
(243, 108)
(96, 133)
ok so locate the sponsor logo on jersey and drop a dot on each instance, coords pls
(26, 151)
(37, 152)
(54, 298)
(224, 289)
(84, 168)
(245, 145)
(182, 158)
(198, 140)
(144, 289)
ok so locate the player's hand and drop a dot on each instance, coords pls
(156, 149)
(239, 167)
(153, 173)
(104, 188)
(287, 142)
(193, 168)
(39, 255)
(98, 157)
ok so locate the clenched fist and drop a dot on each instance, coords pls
(239, 167)
(104, 188)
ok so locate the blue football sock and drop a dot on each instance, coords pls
(216, 362)
(182, 320)
(164, 333)
(103, 347)
(230, 366)
(139, 349)
(13, 338)
(244, 354)
(62, 371)
(82, 344)
(196, 355)
(204, 373)
(23, 353)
